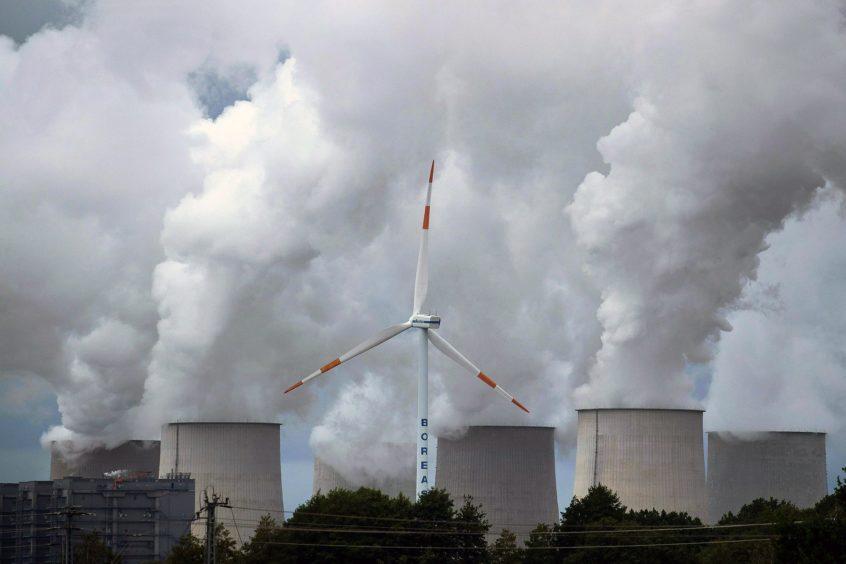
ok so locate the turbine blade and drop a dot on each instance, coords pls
(421, 279)
(442, 345)
(374, 341)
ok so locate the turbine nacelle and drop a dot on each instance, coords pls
(425, 321)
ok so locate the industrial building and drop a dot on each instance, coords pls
(239, 461)
(783, 465)
(652, 458)
(139, 519)
(327, 478)
(139, 458)
(509, 471)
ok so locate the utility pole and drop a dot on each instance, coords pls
(69, 513)
(210, 506)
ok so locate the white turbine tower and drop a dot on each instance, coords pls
(426, 325)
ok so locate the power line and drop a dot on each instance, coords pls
(306, 529)
(625, 527)
(642, 532)
(576, 547)
(235, 521)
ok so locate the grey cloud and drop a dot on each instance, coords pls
(19, 19)
(216, 90)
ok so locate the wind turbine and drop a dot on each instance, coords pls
(426, 325)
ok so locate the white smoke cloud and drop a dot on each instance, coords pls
(361, 438)
(168, 265)
(718, 152)
(783, 368)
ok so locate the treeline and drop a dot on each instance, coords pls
(368, 526)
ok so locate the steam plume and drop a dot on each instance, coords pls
(163, 264)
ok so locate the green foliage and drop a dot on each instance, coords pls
(655, 518)
(757, 511)
(380, 521)
(505, 551)
(227, 552)
(834, 505)
(471, 526)
(539, 544)
(600, 505)
(596, 528)
(259, 548)
(611, 524)
(765, 511)
(92, 550)
(816, 540)
(191, 550)
(821, 537)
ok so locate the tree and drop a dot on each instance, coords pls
(191, 550)
(538, 546)
(757, 511)
(260, 547)
(471, 526)
(821, 536)
(92, 550)
(834, 504)
(342, 518)
(600, 519)
(505, 550)
(598, 506)
(817, 534)
(765, 511)
(188, 550)
(226, 549)
(366, 525)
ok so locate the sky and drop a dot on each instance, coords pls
(633, 206)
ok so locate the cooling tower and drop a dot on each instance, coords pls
(652, 458)
(235, 460)
(743, 467)
(136, 457)
(509, 471)
(326, 479)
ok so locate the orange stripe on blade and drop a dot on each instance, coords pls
(331, 365)
(432, 172)
(295, 386)
(520, 405)
(426, 218)
(484, 378)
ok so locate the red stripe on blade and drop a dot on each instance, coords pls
(484, 378)
(295, 386)
(432, 172)
(331, 365)
(520, 405)
(426, 218)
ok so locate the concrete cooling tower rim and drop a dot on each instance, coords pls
(641, 409)
(222, 423)
(749, 432)
(508, 427)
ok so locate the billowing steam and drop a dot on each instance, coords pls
(731, 135)
(782, 368)
(609, 179)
